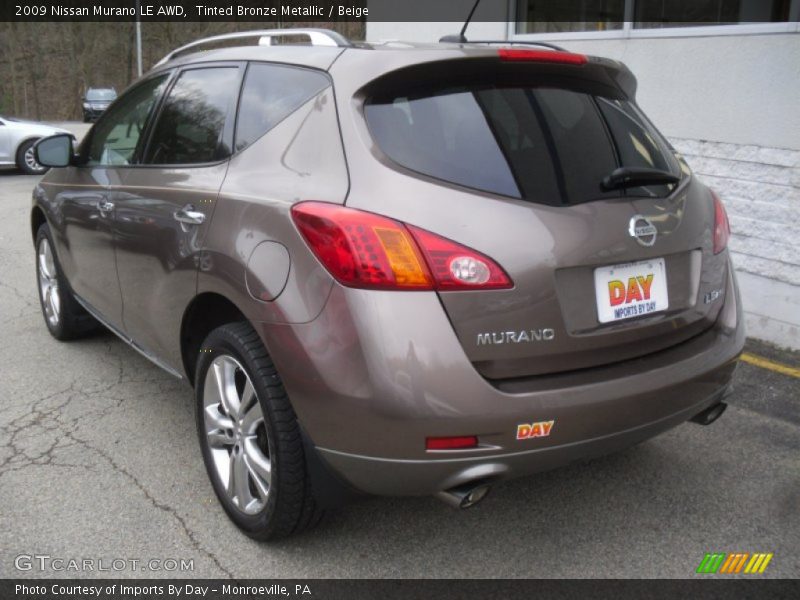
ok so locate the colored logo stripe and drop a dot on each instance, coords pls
(758, 563)
(721, 562)
(711, 563)
(734, 563)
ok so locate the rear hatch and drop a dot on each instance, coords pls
(509, 158)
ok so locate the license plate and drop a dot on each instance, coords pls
(630, 290)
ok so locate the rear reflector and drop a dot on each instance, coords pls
(451, 443)
(364, 250)
(549, 56)
(722, 227)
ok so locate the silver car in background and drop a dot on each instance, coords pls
(17, 138)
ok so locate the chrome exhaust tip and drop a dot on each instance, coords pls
(709, 415)
(464, 496)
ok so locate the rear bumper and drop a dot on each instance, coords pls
(378, 372)
(394, 477)
(420, 477)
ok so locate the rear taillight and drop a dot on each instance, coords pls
(549, 56)
(722, 228)
(365, 250)
(455, 267)
(362, 249)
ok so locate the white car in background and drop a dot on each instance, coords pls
(17, 138)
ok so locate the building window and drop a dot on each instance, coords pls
(546, 16)
(650, 14)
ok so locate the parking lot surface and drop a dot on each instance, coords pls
(99, 460)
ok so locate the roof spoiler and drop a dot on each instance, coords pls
(587, 74)
(456, 39)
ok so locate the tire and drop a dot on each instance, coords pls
(26, 161)
(64, 317)
(253, 436)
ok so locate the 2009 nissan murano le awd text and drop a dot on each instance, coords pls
(391, 268)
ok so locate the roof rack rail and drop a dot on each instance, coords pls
(448, 38)
(317, 37)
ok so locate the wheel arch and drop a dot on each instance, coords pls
(23, 141)
(38, 219)
(205, 312)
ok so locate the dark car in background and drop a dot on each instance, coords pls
(96, 101)
(393, 268)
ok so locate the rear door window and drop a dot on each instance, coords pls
(270, 94)
(195, 124)
(546, 145)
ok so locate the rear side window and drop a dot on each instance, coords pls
(270, 94)
(191, 126)
(547, 145)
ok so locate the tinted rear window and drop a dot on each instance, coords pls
(547, 145)
(100, 95)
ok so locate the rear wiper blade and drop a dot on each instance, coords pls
(625, 177)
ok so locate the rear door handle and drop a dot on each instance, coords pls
(189, 215)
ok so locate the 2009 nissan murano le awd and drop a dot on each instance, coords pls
(393, 268)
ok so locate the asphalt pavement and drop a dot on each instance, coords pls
(99, 460)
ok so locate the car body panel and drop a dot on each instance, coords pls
(158, 256)
(83, 234)
(303, 152)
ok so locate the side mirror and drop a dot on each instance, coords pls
(54, 151)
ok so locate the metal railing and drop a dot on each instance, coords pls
(317, 37)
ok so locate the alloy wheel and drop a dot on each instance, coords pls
(30, 161)
(237, 434)
(48, 283)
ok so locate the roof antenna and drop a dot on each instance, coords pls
(461, 38)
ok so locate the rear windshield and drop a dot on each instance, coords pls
(101, 95)
(547, 145)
